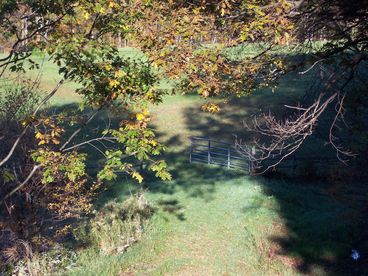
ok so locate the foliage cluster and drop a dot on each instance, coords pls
(181, 41)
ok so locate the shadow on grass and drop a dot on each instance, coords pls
(323, 219)
(172, 206)
(321, 225)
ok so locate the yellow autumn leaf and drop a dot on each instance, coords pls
(140, 116)
(86, 15)
(112, 4)
(108, 67)
(113, 83)
(287, 37)
(222, 11)
(119, 74)
(211, 108)
(41, 142)
(145, 111)
(137, 176)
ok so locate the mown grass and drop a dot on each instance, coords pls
(213, 221)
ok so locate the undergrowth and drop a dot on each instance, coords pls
(110, 231)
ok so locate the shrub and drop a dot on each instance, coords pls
(18, 100)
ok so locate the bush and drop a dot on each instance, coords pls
(18, 100)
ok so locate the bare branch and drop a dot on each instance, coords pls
(311, 67)
(282, 138)
(103, 138)
(35, 168)
(75, 133)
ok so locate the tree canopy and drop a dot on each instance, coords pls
(186, 41)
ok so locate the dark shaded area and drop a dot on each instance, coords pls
(27, 223)
(321, 229)
(325, 203)
(172, 206)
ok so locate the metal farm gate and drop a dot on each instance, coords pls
(207, 151)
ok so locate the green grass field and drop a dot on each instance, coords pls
(213, 221)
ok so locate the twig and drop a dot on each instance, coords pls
(108, 139)
(310, 68)
(35, 168)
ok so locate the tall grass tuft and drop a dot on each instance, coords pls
(116, 226)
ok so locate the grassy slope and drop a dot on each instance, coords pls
(214, 221)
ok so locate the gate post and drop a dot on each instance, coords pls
(209, 152)
(228, 157)
(191, 150)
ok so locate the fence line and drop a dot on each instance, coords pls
(211, 152)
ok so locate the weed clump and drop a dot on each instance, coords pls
(116, 226)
